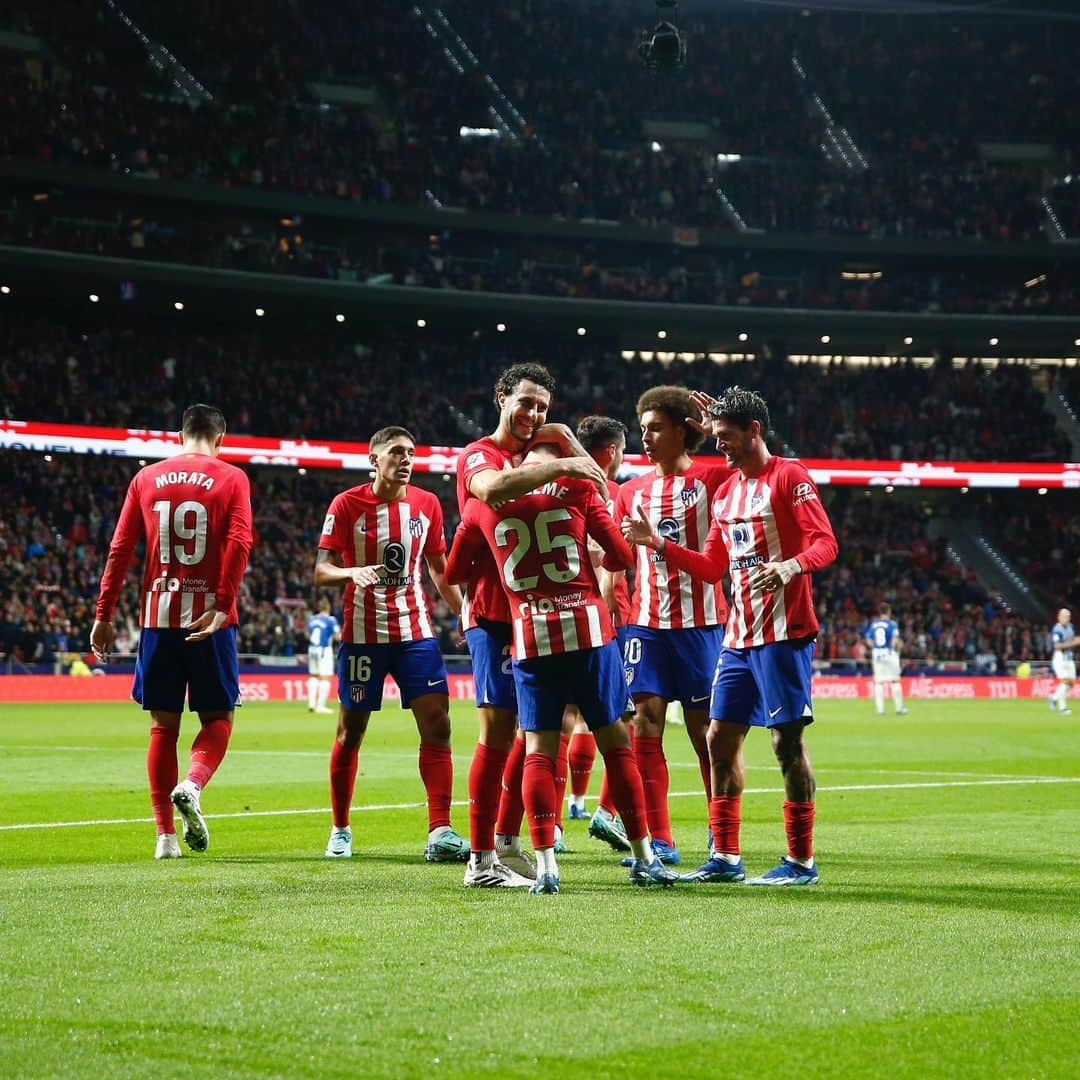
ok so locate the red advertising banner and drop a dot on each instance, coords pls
(302, 453)
(285, 688)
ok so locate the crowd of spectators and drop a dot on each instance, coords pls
(54, 538)
(581, 149)
(442, 389)
(469, 262)
(890, 552)
(60, 513)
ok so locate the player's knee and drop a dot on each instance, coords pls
(787, 744)
(434, 726)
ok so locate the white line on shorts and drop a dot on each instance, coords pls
(461, 802)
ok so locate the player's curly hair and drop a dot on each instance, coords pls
(740, 406)
(510, 377)
(676, 404)
(594, 431)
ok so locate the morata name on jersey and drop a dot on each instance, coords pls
(200, 479)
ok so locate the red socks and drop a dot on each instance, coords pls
(725, 816)
(511, 805)
(799, 826)
(541, 801)
(582, 754)
(654, 775)
(561, 772)
(437, 772)
(485, 774)
(628, 792)
(343, 763)
(162, 770)
(208, 749)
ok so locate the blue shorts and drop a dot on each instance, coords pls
(489, 647)
(170, 668)
(417, 668)
(591, 679)
(765, 686)
(677, 665)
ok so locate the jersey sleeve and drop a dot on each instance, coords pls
(478, 459)
(436, 537)
(335, 530)
(129, 531)
(602, 528)
(238, 541)
(709, 565)
(468, 543)
(819, 546)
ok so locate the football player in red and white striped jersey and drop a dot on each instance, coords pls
(676, 620)
(373, 540)
(769, 532)
(194, 513)
(487, 472)
(562, 645)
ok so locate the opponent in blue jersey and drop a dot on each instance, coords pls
(1063, 639)
(883, 638)
(323, 630)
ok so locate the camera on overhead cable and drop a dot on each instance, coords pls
(663, 48)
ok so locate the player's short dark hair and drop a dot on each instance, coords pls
(385, 434)
(884, 609)
(202, 422)
(509, 378)
(596, 431)
(676, 404)
(740, 407)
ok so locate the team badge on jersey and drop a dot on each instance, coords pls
(416, 526)
(689, 496)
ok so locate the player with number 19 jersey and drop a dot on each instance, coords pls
(367, 531)
(176, 505)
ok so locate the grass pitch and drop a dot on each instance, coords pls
(942, 939)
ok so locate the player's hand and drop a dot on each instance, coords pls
(585, 468)
(101, 639)
(365, 576)
(707, 425)
(639, 530)
(773, 576)
(209, 622)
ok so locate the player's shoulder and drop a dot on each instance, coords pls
(421, 499)
(791, 475)
(708, 470)
(354, 496)
(483, 451)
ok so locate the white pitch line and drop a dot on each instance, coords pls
(463, 802)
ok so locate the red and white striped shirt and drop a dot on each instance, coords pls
(194, 512)
(365, 530)
(768, 518)
(621, 614)
(482, 595)
(540, 543)
(665, 597)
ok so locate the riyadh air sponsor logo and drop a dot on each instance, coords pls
(328, 525)
(802, 493)
(474, 459)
